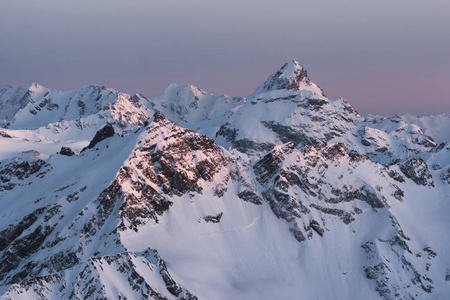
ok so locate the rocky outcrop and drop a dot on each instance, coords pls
(291, 76)
(212, 218)
(4, 134)
(104, 133)
(298, 180)
(130, 268)
(16, 171)
(381, 269)
(417, 170)
(66, 151)
(170, 161)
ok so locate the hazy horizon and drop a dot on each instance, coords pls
(384, 58)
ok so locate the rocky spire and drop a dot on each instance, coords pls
(291, 76)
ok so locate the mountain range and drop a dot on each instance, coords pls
(282, 194)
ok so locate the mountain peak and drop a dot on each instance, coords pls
(291, 76)
(292, 70)
(35, 87)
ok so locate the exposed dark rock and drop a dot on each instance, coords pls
(396, 176)
(378, 274)
(16, 170)
(317, 102)
(12, 232)
(73, 197)
(279, 82)
(446, 176)
(275, 99)
(51, 212)
(316, 227)
(246, 146)
(417, 170)
(346, 217)
(22, 248)
(430, 252)
(363, 194)
(397, 240)
(66, 151)
(298, 234)
(335, 151)
(382, 269)
(282, 205)
(4, 134)
(398, 193)
(172, 167)
(269, 165)
(213, 219)
(20, 169)
(365, 142)
(88, 283)
(381, 149)
(355, 156)
(106, 202)
(250, 196)
(105, 132)
(61, 261)
(82, 107)
(228, 133)
(290, 134)
(149, 206)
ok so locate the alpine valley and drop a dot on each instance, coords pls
(283, 194)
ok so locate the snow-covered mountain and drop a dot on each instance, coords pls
(283, 194)
(53, 115)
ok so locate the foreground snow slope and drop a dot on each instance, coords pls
(284, 194)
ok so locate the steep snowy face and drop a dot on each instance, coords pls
(387, 140)
(281, 116)
(435, 126)
(14, 98)
(40, 106)
(291, 76)
(73, 115)
(187, 104)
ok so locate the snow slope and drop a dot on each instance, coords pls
(435, 126)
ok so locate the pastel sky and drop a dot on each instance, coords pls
(385, 57)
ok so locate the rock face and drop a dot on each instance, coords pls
(258, 197)
(66, 151)
(169, 161)
(417, 170)
(291, 76)
(298, 180)
(4, 134)
(105, 132)
(137, 270)
(16, 171)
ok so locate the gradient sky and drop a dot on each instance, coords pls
(385, 57)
